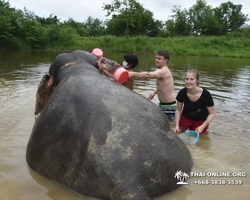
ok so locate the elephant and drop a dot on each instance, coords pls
(99, 138)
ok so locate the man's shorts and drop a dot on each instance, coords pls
(169, 109)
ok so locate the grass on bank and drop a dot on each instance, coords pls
(223, 46)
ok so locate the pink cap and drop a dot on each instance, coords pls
(97, 52)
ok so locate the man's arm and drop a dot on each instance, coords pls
(147, 75)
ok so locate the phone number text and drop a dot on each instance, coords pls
(218, 182)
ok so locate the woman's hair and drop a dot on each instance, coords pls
(196, 74)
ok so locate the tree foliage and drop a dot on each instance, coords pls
(202, 19)
(7, 28)
(22, 28)
(128, 12)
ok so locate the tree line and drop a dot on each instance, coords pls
(23, 29)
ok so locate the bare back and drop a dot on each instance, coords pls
(130, 82)
(165, 86)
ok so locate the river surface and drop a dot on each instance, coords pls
(226, 147)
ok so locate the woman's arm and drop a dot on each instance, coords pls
(210, 117)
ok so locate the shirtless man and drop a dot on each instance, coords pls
(164, 83)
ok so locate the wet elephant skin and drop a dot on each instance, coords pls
(103, 140)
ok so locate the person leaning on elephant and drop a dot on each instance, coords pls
(195, 106)
(129, 63)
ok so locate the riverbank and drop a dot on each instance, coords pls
(223, 46)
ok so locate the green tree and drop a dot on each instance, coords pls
(167, 28)
(31, 31)
(229, 17)
(7, 38)
(217, 21)
(62, 35)
(147, 25)
(51, 20)
(141, 23)
(94, 27)
(115, 26)
(79, 26)
(199, 16)
(180, 24)
(129, 10)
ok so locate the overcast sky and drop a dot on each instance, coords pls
(80, 10)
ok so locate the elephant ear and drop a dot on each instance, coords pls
(44, 91)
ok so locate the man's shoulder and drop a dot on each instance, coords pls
(164, 70)
(165, 67)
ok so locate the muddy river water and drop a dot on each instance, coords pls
(224, 151)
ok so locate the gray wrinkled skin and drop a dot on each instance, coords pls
(103, 140)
